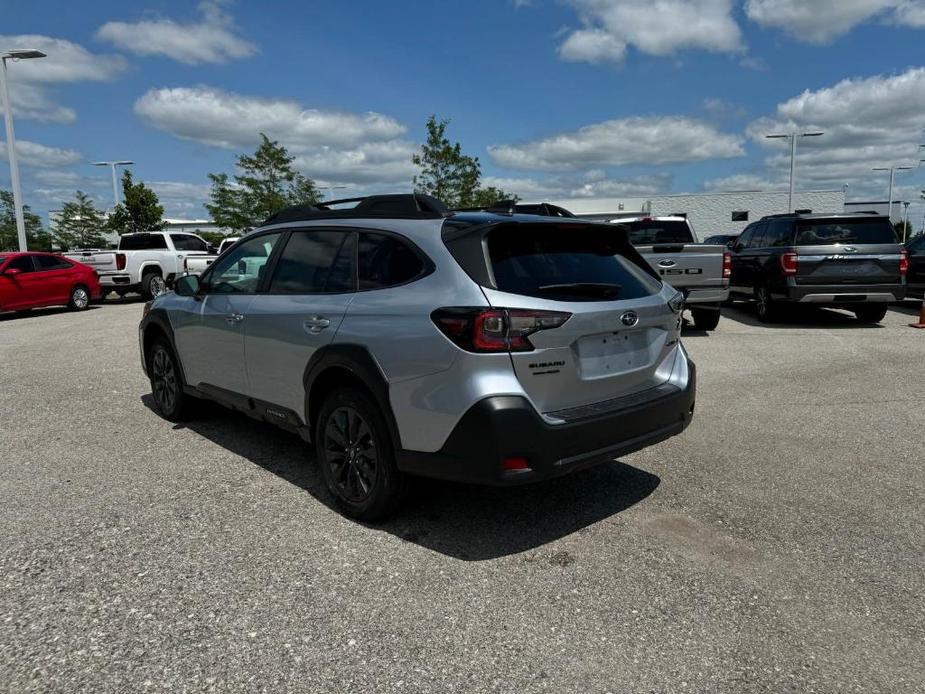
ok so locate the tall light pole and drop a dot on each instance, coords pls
(793, 154)
(905, 219)
(112, 165)
(892, 170)
(20, 54)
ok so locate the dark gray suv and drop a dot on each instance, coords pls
(851, 261)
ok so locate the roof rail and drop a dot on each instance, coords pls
(543, 209)
(400, 206)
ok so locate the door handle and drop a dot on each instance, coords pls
(234, 318)
(316, 324)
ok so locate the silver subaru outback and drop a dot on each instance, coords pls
(403, 339)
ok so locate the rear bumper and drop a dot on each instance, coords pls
(706, 295)
(845, 294)
(508, 426)
(115, 280)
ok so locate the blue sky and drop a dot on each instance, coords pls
(558, 98)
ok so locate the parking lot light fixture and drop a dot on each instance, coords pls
(19, 54)
(112, 165)
(793, 153)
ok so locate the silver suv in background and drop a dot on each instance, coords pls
(402, 339)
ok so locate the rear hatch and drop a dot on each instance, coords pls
(670, 248)
(846, 251)
(620, 329)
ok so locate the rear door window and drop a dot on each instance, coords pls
(759, 236)
(315, 262)
(142, 242)
(22, 263)
(566, 264)
(648, 232)
(386, 261)
(50, 262)
(779, 233)
(827, 232)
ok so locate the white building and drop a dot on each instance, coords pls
(709, 213)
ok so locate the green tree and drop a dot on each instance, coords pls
(903, 230)
(265, 184)
(80, 224)
(37, 238)
(140, 211)
(449, 175)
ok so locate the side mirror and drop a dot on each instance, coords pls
(188, 285)
(13, 271)
(213, 249)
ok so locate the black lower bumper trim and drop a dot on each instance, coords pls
(508, 427)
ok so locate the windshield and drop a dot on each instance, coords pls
(648, 232)
(567, 265)
(845, 231)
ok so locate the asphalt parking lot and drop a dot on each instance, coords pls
(776, 546)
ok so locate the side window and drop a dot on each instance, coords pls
(386, 261)
(188, 242)
(315, 262)
(22, 263)
(143, 242)
(745, 237)
(759, 235)
(50, 262)
(779, 233)
(241, 270)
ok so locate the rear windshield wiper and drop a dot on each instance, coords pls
(608, 291)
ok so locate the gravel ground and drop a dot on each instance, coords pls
(776, 546)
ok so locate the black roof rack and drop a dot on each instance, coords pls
(400, 206)
(543, 209)
(801, 213)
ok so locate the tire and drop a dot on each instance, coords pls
(354, 450)
(170, 400)
(153, 285)
(79, 299)
(705, 319)
(765, 307)
(871, 313)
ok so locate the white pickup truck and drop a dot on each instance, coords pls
(146, 263)
(701, 271)
(197, 264)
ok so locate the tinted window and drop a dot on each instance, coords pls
(315, 262)
(758, 235)
(745, 237)
(648, 232)
(385, 261)
(142, 242)
(241, 270)
(916, 246)
(566, 264)
(22, 263)
(779, 233)
(2, 259)
(50, 262)
(186, 242)
(824, 232)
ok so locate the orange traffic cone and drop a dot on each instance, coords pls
(921, 323)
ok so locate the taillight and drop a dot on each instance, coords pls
(495, 329)
(903, 262)
(120, 261)
(788, 263)
(727, 265)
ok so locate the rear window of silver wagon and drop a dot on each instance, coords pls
(566, 264)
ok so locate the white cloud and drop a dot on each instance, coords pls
(655, 27)
(745, 181)
(640, 140)
(594, 185)
(821, 21)
(211, 40)
(35, 154)
(65, 62)
(224, 119)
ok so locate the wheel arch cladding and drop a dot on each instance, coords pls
(336, 366)
(157, 325)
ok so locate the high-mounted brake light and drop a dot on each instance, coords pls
(120, 261)
(495, 329)
(903, 262)
(788, 263)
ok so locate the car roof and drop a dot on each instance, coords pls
(651, 218)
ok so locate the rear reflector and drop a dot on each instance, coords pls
(515, 464)
(788, 263)
(903, 262)
(495, 329)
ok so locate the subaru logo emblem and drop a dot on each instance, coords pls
(629, 319)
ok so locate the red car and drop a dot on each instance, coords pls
(33, 280)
